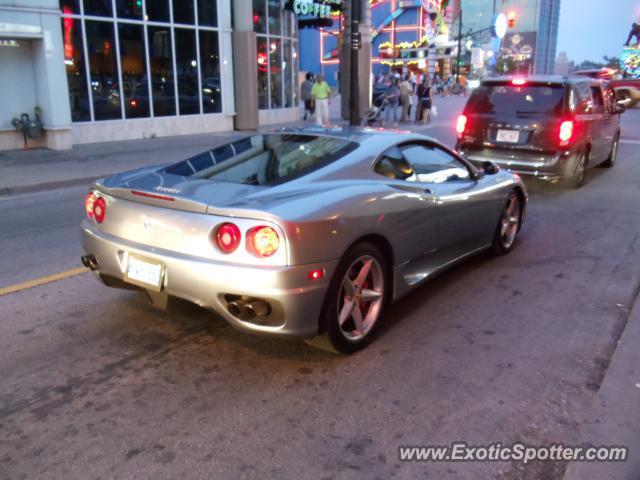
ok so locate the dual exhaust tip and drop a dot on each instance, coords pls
(248, 309)
(90, 261)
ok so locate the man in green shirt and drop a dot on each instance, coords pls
(321, 92)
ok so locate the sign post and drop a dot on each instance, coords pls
(356, 41)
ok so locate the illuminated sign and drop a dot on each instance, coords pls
(499, 27)
(314, 8)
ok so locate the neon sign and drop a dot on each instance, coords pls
(315, 8)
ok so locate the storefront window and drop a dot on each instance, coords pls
(210, 72)
(160, 59)
(101, 8)
(183, 12)
(276, 71)
(187, 72)
(104, 70)
(129, 8)
(76, 72)
(158, 10)
(207, 13)
(277, 60)
(134, 71)
(260, 16)
(169, 66)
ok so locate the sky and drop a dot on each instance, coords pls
(590, 29)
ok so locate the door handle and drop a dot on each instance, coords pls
(428, 191)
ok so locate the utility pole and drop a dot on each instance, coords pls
(459, 45)
(354, 107)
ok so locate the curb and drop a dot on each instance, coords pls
(45, 186)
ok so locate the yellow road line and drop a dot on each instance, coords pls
(42, 280)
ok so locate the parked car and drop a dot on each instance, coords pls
(548, 127)
(301, 233)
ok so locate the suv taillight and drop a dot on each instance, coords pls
(566, 132)
(461, 125)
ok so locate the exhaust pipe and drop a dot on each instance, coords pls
(258, 308)
(237, 308)
(90, 262)
(248, 309)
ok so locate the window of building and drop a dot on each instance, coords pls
(76, 70)
(277, 54)
(154, 59)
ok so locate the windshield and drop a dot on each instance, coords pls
(264, 159)
(511, 100)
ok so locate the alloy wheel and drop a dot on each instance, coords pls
(510, 222)
(360, 298)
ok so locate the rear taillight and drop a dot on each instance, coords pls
(566, 132)
(518, 81)
(89, 201)
(228, 237)
(263, 241)
(99, 209)
(461, 125)
(95, 206)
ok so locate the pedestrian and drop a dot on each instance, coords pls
(406, 91)
(307, 98)
(392, 96)
(321, 92)
(424, 101)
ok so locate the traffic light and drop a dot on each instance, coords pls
(511, 19)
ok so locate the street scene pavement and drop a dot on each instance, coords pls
(539, 347)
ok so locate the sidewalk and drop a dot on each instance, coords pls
(23, 171)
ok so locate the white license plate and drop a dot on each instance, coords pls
(508, 136)
(145, 274)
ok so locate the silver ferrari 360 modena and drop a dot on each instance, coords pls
(304, 232)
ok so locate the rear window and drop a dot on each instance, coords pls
(513, 100)
(267, 159)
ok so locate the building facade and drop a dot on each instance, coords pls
(532, 42)
(102, 70)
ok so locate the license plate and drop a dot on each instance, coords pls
(145, 274)
(508, 136)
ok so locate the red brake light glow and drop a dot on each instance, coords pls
(316, 274)
(228, 237)
(99, 209)
(461, 124)
(566, 132)
(153, 195)
(263, 241)
(518, 81)
(89, 202)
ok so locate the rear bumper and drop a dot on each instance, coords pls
(295, 300)
(544, 166)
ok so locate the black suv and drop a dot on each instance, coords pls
(550, 127)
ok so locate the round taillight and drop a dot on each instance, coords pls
(228, 237)
(99, 209)
(89, 202)
(263, 241)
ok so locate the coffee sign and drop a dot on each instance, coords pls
(314, 8)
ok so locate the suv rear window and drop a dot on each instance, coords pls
(512, 100)
(267, 159)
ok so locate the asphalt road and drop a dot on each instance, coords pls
(97, 385)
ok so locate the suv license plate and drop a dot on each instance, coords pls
(145, 274)
(508, 136)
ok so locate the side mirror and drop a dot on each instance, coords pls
(490, 168)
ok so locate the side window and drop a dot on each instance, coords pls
(434, 165)
(394, 165)
(609, 100)
(584, 102)
(598, 101)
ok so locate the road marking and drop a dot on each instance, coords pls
(42, 281)
(631, 142)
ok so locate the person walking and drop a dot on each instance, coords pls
(321, 92)
(307, 98)
(392, 96)
(424, 101)
(406, 91)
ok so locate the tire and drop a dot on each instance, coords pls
(611, 161)
(347, 320)
(504, 238)
(576, 180)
